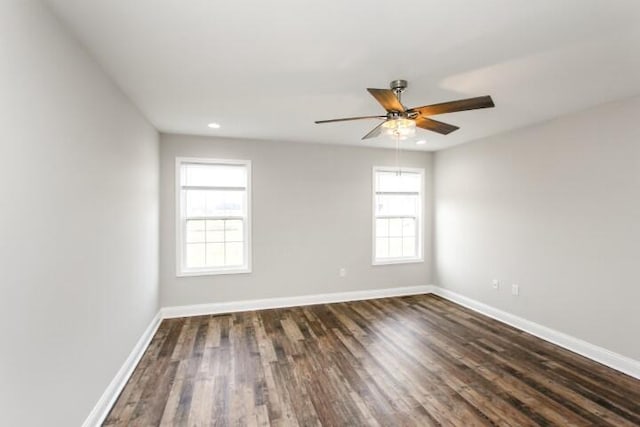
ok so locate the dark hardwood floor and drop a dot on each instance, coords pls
(417, 360)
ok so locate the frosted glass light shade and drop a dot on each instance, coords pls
(403, 128)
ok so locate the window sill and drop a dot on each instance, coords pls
(213, 272)
(398, 261)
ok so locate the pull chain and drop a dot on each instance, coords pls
(398, 153)
(398, 93)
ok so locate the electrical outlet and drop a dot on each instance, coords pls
(342, 272)
(515, 289)
(495, 284)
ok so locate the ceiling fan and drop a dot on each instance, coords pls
(401, 122)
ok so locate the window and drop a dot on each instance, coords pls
(213, 216)
(397, 215)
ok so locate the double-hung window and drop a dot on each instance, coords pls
(397, 211)
(213, 216)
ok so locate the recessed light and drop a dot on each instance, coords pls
(421, 142)
(214, 125)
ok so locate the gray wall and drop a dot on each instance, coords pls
(78, 223)
(556, 209)
(312, 214)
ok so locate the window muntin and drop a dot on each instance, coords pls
(398, 200)
(213, 216)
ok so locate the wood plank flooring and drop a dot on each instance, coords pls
(410, 361)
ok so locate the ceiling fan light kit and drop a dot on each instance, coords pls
(401, 128)
(401, 122)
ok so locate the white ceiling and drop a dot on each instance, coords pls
(268, 69)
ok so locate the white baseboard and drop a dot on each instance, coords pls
(262, 304)
(599, 354)
(108, 398)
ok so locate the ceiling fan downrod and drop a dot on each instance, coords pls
(398, 86)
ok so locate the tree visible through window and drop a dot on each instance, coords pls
(213, 228)
(397, 215)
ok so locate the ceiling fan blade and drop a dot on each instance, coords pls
(453, 106)
(375, 132)
(349, 118)
(435, 126)
(387, 98)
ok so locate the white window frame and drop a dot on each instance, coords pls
(181, 271)
(419, 219)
